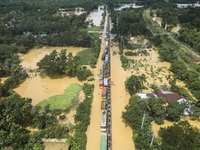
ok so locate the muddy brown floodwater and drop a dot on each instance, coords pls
(56, 146)
(121, 134)
(94, 131)
(156, 127)
(96, 15)
(34, 55)
(39, 88)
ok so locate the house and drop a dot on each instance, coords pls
(169, 96)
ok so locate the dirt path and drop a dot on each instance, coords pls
(121, 134)
(94, 130)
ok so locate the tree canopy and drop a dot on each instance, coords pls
(181, 136)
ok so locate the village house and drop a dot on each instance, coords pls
(169, 96)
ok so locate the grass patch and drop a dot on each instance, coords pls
(85, 56)
(96, 28)
(62, 101)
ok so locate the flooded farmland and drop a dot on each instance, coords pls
(42, 87)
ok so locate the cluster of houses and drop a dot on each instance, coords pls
(169, 96)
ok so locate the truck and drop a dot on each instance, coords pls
(105, 82)
(104, 90)
(103, 104)
(106, 59)
(101, 82)
(106, 51)
(103, 144)
(103, 120)
(103, 56)
(106, 43)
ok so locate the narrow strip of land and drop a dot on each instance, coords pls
(164, 32)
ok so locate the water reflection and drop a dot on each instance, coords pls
(127, 6)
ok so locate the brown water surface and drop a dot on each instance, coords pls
(121, 134)
(56, 146)
(94, 130)
(3, 79)
(156, 127)
(39, 88)
(96, 15)
(34, 55)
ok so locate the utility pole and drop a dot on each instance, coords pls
(69, 127)
(152, 139)
(143, 120)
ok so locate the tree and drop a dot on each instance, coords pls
(133, 113)
(14, 109)
(157, 110)
(133, 84)
(83, 73)
(174, 110)
(181, 136)
(178, 67)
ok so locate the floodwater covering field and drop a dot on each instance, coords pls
(42, 87)
(96, 15)
(34, 55)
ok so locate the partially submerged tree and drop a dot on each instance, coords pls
(133, 84)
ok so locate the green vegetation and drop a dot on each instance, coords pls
(85, 56)
(91, 29)
(15, 115)
(174, 110)
(133, 84)
(181, 136)
(156, 109)
(83, 73)
(82, 119)
(142, 132)
(130, 53)
(61, 101)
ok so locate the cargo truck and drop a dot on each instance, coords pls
(104, 90)
(101, 82)
(103, 104)
(103, 120)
